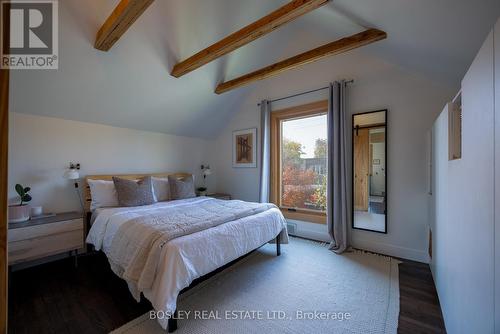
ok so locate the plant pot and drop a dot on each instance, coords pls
(202, 193)
(19, 213)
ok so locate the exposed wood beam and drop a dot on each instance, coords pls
(330, 49)
(257, 29)
(124, 15)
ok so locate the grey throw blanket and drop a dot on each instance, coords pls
(136, 248)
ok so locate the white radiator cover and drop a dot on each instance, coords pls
(309, 230)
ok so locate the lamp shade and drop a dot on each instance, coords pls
(71, 174)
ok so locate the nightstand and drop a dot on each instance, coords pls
(39, 238)
(220, 196)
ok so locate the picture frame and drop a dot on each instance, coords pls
(245, 148)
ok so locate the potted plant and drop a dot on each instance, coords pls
(202, 191)
(20, 212)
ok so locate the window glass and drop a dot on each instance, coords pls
(304, 149)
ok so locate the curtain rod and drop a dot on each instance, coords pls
(303, 93)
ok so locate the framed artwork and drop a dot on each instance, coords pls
(245, 148)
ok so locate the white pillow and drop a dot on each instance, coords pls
(161, 189)
(103, 194)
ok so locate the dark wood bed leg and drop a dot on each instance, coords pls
(172, 323)
(278, 245)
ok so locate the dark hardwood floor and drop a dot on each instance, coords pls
(59, 298)
(420, 311)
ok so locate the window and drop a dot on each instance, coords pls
(455, 129)
(299, 148)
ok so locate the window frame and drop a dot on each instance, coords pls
(277, 117)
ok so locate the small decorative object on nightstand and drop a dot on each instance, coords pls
(39, 238)
(20, 212)
(219, 196)
(201, 191)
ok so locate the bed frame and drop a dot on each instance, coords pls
(87, 199)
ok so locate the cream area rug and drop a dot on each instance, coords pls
(308, 289)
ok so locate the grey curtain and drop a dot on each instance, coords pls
(337, 189)
(265, 151)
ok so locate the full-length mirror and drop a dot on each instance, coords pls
(369, 161)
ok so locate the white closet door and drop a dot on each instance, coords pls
(471, 201)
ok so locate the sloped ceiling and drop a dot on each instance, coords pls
(130, 85)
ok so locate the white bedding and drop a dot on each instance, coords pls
(188, 257)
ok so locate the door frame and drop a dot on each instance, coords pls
(4, 146)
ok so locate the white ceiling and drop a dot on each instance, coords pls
(130, 85)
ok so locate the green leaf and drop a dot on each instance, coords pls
(27, 198)
(27, 189)
(20, 190)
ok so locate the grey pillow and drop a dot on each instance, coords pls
(161, 189)
(134, 193)
(181, 188)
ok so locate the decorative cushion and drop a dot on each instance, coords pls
(103, 194)
(161, 189)
(134, 193)
(181, 188)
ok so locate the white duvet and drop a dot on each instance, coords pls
(188, 257)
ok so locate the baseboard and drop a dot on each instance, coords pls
(320, 233)
(392, 250)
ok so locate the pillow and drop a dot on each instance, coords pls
(134, 193)
(181, 188)
(161, 189)
(103, 194)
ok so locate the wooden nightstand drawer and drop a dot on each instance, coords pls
(31, 232)
(33, 242)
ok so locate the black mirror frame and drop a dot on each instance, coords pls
(386, 170)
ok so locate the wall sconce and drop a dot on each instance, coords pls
(72, 173)
(206, 171)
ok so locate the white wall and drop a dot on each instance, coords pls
(42, 147)
(413, 103)
(463, 263)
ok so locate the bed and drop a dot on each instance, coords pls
(171, 266)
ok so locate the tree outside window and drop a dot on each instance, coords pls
(304, 179)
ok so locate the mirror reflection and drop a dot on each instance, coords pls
(369, 171)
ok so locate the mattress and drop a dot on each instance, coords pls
(191, 256)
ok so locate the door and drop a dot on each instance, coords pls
(361, 169)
